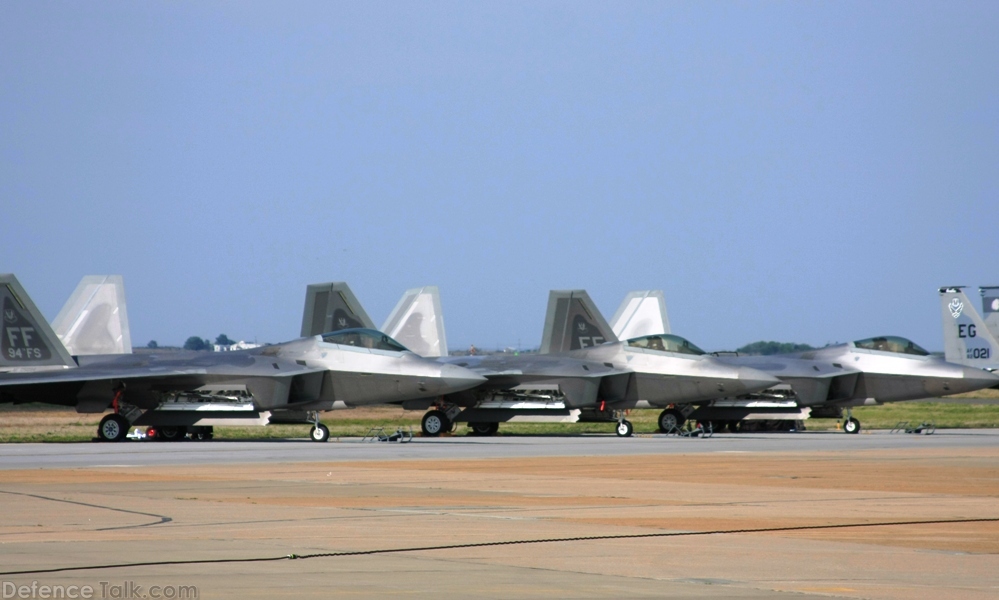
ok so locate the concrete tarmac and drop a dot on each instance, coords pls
(721, 509)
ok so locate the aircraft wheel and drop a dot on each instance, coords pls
(435, 423)
(484, 428)
(113, 428)
(851, 425)
(670, 419)
(624, 429)
(171, 434)
(319, 433)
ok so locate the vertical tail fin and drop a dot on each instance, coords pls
(27, 340)
(332, 307)
(417, 322)
(573, 322)
(95, 320)
(642, 313)
(967, 340)
(990, 308)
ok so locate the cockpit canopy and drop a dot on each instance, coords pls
(665, 342)
(364, 338)
(891, 343)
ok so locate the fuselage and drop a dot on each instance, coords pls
(873, 371)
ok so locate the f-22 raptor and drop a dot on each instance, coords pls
(190, 392)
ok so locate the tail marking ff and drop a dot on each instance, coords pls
(573, 322)
(331, 307)
(27, 339)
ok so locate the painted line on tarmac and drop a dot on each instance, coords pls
(633, 536)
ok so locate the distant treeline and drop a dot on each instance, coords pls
(767, 348)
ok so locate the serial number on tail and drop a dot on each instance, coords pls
(979, 352)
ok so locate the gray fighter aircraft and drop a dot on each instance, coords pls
(178, 392)
(969, 339)
(669, 369)
(862, 373)
(569, 381)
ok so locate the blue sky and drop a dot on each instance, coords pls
(798, 171)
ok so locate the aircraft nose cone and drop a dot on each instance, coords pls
(455, 379)
(755, 380)
(978, 379)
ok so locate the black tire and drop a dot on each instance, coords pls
(319, 433)
(851, 425)
(113, 428)
(670, 419)
(624, 429)
(171, 434)
(484, 428)
(435, 423)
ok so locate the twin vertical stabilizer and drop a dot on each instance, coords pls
(967, 338)
(331, 307)
(641, 313)
(573, 322)
(417, 322)
(26, 340)
(95, 320)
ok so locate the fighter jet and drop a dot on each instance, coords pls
(669, 370)
(861, 373)
(564, 383)
(969, 339)
(181, 392)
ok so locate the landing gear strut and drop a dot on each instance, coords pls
(851, 425)
(114, 427)
(319, 432)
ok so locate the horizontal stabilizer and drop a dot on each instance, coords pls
(642, 313)
(417, 322)
(94, 320)
(27, 340)
(331, 307)
(573, 322)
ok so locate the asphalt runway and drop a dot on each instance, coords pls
(144, 453)
(810, 514)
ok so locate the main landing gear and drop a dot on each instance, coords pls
(484, 428)
(434, 423)
(113, 428)
(671, 420)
